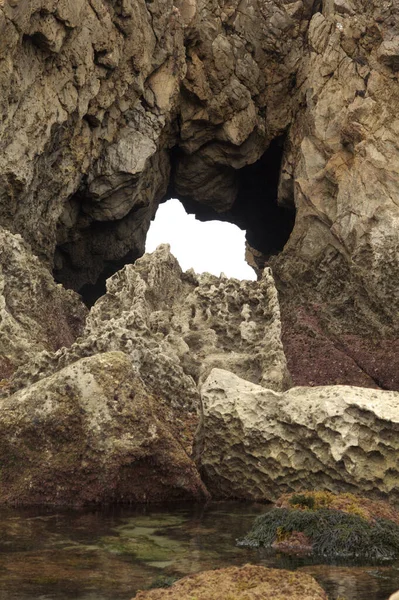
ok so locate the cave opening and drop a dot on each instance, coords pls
(256, 211)
(214, 247)
(267, 223)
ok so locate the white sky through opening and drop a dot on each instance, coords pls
(215, 246)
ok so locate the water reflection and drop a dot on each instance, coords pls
(110, 554)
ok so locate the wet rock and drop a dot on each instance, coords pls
(329, 526)
(36, 314)
(248, 582)
(257, 444)
(91, 433)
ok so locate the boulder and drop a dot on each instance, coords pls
(241, 583)
(257, 444)
(91, 433)
(36, 314)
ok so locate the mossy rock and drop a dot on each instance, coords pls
(240, 583)
(354, 532)
(348, 503)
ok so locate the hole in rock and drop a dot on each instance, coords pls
(317, 7)
(268, 224)
(256, 211)
(91, 292)
(215, 247)
(38, 40)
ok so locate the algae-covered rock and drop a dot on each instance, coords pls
(91, 433)
(312, 523)
(240, 583)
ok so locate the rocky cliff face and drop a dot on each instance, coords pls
(269, 112)
(280, 116)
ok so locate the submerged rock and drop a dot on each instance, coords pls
(91, 433)
(256, 444)
(241, 583)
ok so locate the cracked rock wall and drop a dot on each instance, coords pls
(107, 107)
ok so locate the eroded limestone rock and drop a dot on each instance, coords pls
(339, 271)
(175, 327)
(36, 314)
(241, 583)
(94, 94)
(254, 443)
(91, 433)
(98, 100)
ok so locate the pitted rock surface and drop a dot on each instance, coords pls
(91, 433)
(256, 444)
(175, 327)
(36, 314)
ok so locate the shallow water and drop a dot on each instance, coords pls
(110, 554)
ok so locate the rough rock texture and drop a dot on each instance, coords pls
(36, 314)
(91, 433)
(95, 93)
(241, 583)
(257, 444)
(87, 97)
(175, 327)
(340, 268)
(100, 98)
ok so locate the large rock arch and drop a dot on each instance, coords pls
(109, 107)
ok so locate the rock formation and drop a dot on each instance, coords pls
(175, 327)
(341, 166)
(241, 583)
(277, 115)
(36, 314)
(256, 111)
(256, 443)
(91, 433)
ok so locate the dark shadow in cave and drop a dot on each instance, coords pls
(317, 6)
(91, 292)
(268, 226)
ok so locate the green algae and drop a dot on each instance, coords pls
(145, 538)
(332, 533)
